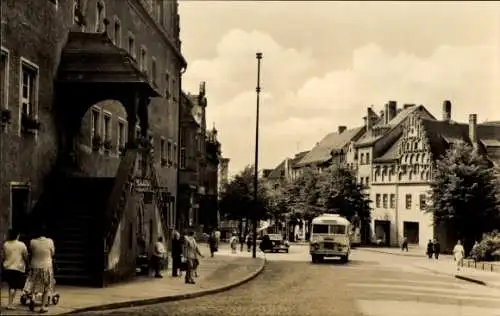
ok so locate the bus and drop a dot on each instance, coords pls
(330, 237)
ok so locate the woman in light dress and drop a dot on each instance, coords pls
(41, 274)
(458, 254)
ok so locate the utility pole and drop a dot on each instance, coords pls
(256, 170)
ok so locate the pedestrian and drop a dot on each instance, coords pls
(159, 254)
(242, 242)
(249, 242)
(233, 242)
(15, 258)
(176, 254)
(474, 250)
(212, 243)
(430, 249)
(191, 253)
(437, 249)
(404, 245)
(41, 274)
(458, 254)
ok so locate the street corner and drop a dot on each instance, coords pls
(227, 275)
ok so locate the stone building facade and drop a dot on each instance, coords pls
(81, 79)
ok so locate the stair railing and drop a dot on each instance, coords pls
(159, 198)
(117, 200)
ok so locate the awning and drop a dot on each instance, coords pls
(92, 58)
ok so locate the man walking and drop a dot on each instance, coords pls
(437, 249)
(191, 253)
(404, 245)
(176, 254)
(158, 255)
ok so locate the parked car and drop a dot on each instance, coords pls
(274, 243)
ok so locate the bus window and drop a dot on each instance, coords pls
(320, 229)
(337, 229)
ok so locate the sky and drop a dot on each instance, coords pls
(325, 62)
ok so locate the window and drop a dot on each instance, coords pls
(117, 33)
(106, 128)
(143, 60)
(408, 201)
(167, 86)
(423, 201)
(99, 18)
(384, 201)
(174, 89)
(4, 79)
(94, 123)
(362, 160)
(182, 137)
(337, 229)
(162, 149)
(367, 181)
(183, 158)
(320, 229)
(131, 45)
(174, 158)
(169, 152)
(153, 70)
(392, 201)
(367, 158)
(121, 135)
(158, 9)
(377, 200)
(28, 85)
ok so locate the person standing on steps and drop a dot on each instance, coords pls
(176, 254)
(41, 275)
(437, 249)
(15, 257)
(191, 253)
(458, 254)
(430, 249)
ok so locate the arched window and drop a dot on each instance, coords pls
(411, 159)
(100, 15)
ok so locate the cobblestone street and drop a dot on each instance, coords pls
(370, 285)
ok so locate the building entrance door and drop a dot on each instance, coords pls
(19, 207)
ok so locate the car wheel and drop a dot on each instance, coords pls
(344, 259)
(286, 250)
(314, 259)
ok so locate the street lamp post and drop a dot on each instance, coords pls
(256, 170)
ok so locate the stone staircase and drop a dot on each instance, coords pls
(77, 230)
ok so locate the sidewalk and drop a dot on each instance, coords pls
(483, 273)
(217, 274)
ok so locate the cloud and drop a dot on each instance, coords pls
(302, 101)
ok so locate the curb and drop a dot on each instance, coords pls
(460, 277)
(464, 278)
(178, 297)
(390, 253)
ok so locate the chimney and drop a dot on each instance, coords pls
(447, 110)
(473, 129)
(342, 128)
(369, 119)
(408, 105)
(202, 88)
(392, 111)
(386, 113)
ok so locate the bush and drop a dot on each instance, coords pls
(488, 249)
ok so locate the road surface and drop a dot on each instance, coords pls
(371, 284)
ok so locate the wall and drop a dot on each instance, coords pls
(415, 214)
(34, 30)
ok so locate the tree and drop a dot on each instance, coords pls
(237, 200)
(340, 193)
(464, 193)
